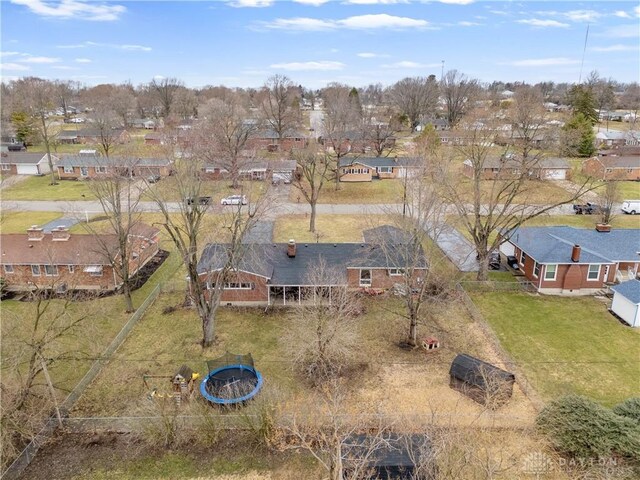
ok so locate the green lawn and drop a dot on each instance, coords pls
(168, 189)
(376, 191)
(39, 188)
(329, 228)
(18, 222)
(566, 345)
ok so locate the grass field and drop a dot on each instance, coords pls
(566, 345)
(39, 188)
(376, 191)
(329, 228)
(18, 222)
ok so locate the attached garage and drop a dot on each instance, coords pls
(626, 302)
(24, 163)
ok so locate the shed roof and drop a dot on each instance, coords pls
(629, 289)
(475, 372)
(390, 450)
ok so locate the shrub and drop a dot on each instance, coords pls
(630, 408)
(580, 427)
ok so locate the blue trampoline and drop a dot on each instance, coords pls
(232, 379)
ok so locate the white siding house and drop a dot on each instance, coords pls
(626, 302)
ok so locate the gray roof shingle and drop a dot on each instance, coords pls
(629, 289)
(554, 244)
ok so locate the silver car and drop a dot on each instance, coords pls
(234, 200)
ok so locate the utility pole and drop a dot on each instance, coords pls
(442, 71)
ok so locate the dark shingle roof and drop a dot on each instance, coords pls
(97, 161)
(630, 161)
(629, 289)
(476, 372)
(271, 260)
(24, 158)
(554, 244)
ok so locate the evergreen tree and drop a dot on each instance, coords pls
(578, 138)
(23, 125)
(582, 100)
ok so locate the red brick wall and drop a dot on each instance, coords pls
(380, 278)
(259, 292)
(22, 278)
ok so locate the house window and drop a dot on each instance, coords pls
(101, 169)
(68, 169)
(51, 270)
(365, 278)
(594, 272)
(8, 269)
(6, 166)
(94, 270)
(385, 169)
(35, 270)
(238, 286)
(629, 170)
(550, 272)
(536, 269)
(71, 268)
(394, 272)
(523, 258)
(84, 171)
(608, 170)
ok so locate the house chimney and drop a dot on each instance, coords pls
(575, 253)
(35, 233)
(291, 249)
(60, 234)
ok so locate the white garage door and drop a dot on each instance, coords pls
(559, 174)
(27, 170)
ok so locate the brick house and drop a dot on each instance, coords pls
(252, 170)
(278, 274)
(61, 260)
(24, 163)
(574, 261)
(611, 166)
(76, 167)
(92, 136)
(355, 142)
(365, 169)
(551, 168)
(268, 139)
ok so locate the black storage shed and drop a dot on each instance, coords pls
(481, 381)
(392, 456)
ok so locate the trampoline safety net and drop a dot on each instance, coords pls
(230, 359)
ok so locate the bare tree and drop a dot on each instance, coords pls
(119, 200)
(65, 92)
(279, 106)
(341, 126)
(323, 333)
(184, 104)
(31, 346)
(416, 97)
(608, 198)
(379, 131)
(106, 122)
(459, 92)
(36, 97)
(491, 201)
(223, 135)
(164, 90)
(313, 171)
(186, 229)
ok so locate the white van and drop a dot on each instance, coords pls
(631, 206)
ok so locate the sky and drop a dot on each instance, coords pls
(240, 43)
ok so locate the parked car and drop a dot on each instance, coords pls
(234, 200)
(153, 178)
(512, 261)
(631, 206)
(198, 201)
(588, 208)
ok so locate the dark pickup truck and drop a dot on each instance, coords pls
(587, 209)
(198, 201)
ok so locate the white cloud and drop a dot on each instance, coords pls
(136, 48)
(544, 62)
(83, 60)
(535, 22)
(64, 67)
(315, 66)
(372, 55)
(382, 20)
(409, 64)
(616, 48)
(582, 15)
(621, 14)
(468, 24)
(621, 31)
(375, 2)
(13, 66)
(30, 59)
(637, 11)
(457, 2)
(251, 3)
(9, 54)
(358, 22)
(314, 3)
(74, 9)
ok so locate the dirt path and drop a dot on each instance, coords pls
(11, 180)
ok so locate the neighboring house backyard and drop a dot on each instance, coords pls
(566, 345)
(39, 188)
